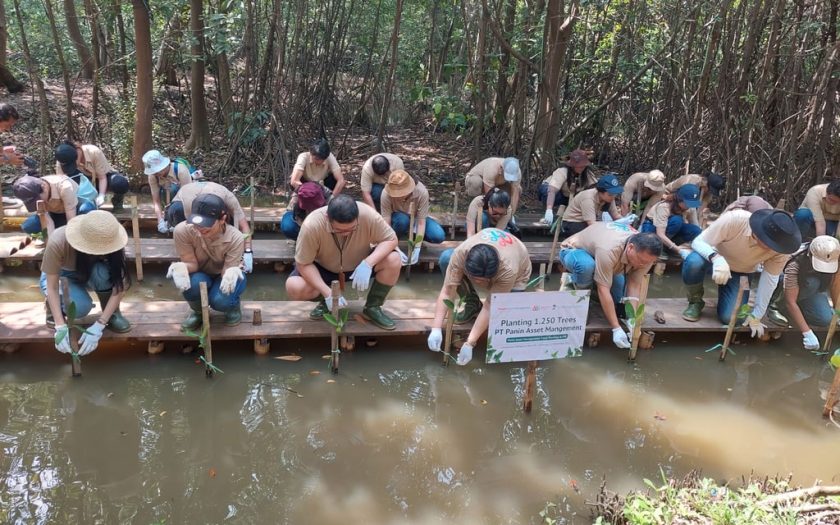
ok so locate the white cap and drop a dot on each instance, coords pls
(512, 173)
(825, 251)
(154, 161)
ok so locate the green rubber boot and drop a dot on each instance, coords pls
(694, 292)
(193, 321)
(320, 309)
(373, 306)
(472, 303)
(118, 323)
(233, 317)
(117, 201)
(774, 313)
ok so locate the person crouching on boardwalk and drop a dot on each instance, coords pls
(338, 238)
(616, 257)
(89, 252)
(492, 259)
(669, 220)
(210, 251)
(735, 245)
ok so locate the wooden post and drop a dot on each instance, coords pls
(41, 210)
(253, 191)
(833, 392)
(832, 327)
(205, 328)
(541, 284)
(530, 382)
(335, 291)
(168, 196)
(449, 323)
(781, 204)
(75, 362)
(135, 234)
(552, 253)
(412, 211)
(261, 345)
(744, 284)
(455, 210)
(637, 326)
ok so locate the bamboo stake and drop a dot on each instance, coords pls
(530, 382)
(479, 221)
(831, 398)
(41, 210)
(135, 234)
(637, 326)
(75, 362)
(744, 284)
(334, 350)
(832, 327)
(552, 254)
(168, 197)
(455, 210)
(412, 210)
(205, 327)
(447, 342)
(253, 191)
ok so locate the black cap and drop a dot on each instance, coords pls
(206, 210)
(28, 189)
(777, 230)
(66, 156)
(716, 183)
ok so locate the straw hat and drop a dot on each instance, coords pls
(96, 233)
(655, 180)
(399, 184)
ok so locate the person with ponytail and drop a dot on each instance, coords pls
(494, 207)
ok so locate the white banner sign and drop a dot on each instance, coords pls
(535, 326)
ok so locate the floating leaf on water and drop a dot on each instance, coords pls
(212, 473)
(290, 357)
(483, 401)
(326, 356)
(163, 413)
(315, 372)
(330, 380)
(110, 395)
(698, 358)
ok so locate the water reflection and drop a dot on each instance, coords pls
(394, 438)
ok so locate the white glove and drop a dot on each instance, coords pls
(229, 279)
(465, 355)
(248, 261)
(810, 341)
(549, 217)
(415, 255)
(163, 227)
(90, 338)
(435, 340)
(628, 219)
(62, 339)
(620, 338)
(684, 253)
(342, 302)
(197, 174)
(403, 257)
(756, 327)
(180, 275)
(361, 276)
(720, 270)
(100, 200)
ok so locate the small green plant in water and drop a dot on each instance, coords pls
(635, 316)
(70, 320)
(413, 243)
(201, 337)
(834, 361)
(452, 306)
(533, 283)
(338, 324)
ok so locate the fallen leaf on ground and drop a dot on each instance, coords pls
(212, 472)
(291, 357)
(359, 318)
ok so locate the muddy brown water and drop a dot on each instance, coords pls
(394, 437)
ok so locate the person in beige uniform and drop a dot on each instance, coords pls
(820, 210)
(8, 116)
(493, 208)
(318, 165)
(211, 252)
(573, 176)
(645, 189)
(375, 173)
(751, 203)
(90, 252)
(492, 259)
(90, 160)
(181, 207)
(669, 219)
(588, 206)
(165, 175)
(734, 245)
(616, 257)
(495, 172)
(400, 192)
(59, 194)
(335, 239)
(710, 184)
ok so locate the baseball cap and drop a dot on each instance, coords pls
(206, 210)
(28, 189)
(512, 173)
(655, 180)
(716, 183)
(66, 155)
(609, 184)
(310, 196)
(690, 195)
(825, 251)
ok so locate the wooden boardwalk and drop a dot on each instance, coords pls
(160, 321)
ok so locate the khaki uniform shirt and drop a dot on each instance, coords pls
(95, 165)
(188, 193)
(559, 180)
(58, 255)
(313, 173)
(514, 262)
(731, 236)
(815, 201)
(477, 207)
(420, 197)
(214, 256)
(316, 242)
(633, 188)
(368, 177)
(491, 171)
(182, 178)
(586, 206)
(606, 242)
(751, 203)
(661, 212)
(698, 180)
(63, 194)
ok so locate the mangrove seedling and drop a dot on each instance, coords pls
(201, 337)
(337, 323)
(70, 321)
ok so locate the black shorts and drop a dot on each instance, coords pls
(326, 275)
